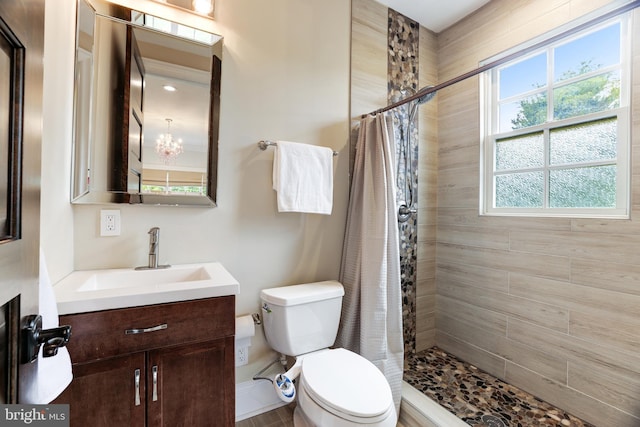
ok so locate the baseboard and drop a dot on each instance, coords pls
(254, 398)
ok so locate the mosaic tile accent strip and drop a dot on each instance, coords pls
(478, 398)
(402, 81)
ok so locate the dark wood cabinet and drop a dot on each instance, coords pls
(185, 399)
(103, 392)
(161, 365)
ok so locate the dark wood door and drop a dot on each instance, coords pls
(21, 52)
(134, 116)
(195, 385)
(107, 393)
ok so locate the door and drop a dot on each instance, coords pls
(116, 385)
(21, 53)
(192, 385)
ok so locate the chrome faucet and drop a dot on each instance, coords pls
(154, 250)
(154, 247)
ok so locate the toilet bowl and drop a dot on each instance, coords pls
(336, 387)
(340, 388)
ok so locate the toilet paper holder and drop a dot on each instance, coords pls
(256, 319)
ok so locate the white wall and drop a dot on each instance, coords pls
(56, 215)
(285, 75)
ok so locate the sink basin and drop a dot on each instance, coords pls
(116, 279)
(93, 290)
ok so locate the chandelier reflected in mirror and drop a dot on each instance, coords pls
(167, 147)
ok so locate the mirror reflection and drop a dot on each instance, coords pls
(146, 109)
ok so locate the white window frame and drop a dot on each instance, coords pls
(490, 133)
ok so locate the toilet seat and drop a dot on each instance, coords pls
(347, 385)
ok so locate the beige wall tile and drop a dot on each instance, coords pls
(521, 262)
(496, 280)
(490, 363)
(474, 236)
(427, 215)
(488, 320)
(498, 344)
(606, 275)
(427, 194)
(426, 278)
(609, 247)
(615, 386)
(368, 57)
(549, 316)
(623, 335)
(573, 401)
(461, 156)
(458, 187)
(471, 217)
(425, 339)
(615, 226)
(569, 347)
(586, 299)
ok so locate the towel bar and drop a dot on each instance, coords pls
(264, 144)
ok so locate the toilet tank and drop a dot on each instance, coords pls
(299, 319)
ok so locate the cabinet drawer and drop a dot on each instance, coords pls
(109, 333)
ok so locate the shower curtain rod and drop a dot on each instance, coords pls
(431, 89)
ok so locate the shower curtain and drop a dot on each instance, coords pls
(370, 272)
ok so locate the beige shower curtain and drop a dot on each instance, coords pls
(371, 322)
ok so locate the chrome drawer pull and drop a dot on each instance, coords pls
(145, 330)
(137, 382)
(155, 383)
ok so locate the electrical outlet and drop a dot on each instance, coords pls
(242, 356)
(109, 222)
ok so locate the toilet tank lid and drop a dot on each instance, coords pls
(302, 294)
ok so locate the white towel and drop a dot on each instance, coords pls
(52, 374)
(303, 178)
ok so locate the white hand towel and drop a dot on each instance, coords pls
(303, 178)
(52, 374)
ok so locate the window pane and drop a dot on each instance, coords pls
(591, 52)
(592, 187)
(584, 142)
(598, 93)
(527, 112)
(520, 190)
(520, 152)
(523, 76)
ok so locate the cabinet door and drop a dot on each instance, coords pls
(194, 385)
(107, 392)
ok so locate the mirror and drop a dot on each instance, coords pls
(146, 109)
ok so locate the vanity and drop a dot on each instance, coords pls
(152, 347)
(159, 352)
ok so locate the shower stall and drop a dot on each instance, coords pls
(505, 286)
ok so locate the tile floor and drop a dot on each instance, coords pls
(478, 398)
(281, 417)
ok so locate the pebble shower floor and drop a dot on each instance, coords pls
(478, 398)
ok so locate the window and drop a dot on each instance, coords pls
(556, 125)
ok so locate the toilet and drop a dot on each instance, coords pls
(335, 387)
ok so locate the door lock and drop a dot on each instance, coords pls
(33, 336)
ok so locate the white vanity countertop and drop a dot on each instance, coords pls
(94, 290)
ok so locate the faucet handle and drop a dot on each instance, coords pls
(155, 234)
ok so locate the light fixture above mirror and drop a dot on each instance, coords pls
(201, 7)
